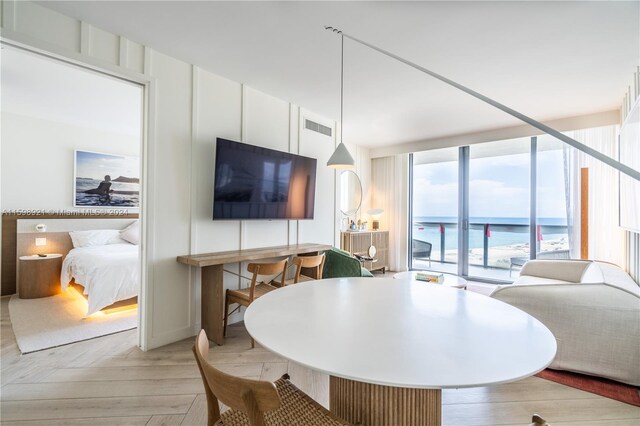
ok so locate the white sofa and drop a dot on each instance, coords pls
(593, 310)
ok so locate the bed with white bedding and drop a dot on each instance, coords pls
(109, 273)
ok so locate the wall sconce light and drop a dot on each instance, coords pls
(41, 227)
(375, 214)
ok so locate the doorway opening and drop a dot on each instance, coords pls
(72, 189)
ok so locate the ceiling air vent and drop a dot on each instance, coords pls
(316, 127)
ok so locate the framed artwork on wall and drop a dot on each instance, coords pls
(106, 180)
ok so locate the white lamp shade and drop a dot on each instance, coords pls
(375, 212)
(341, 159)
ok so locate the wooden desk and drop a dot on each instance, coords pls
(212, 264)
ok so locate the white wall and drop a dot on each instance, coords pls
(38, 159)
(362, 157)
(632, 238)
(523, 130)
(189, 108)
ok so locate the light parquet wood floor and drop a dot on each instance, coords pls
(109, 381)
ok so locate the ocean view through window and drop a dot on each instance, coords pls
(499, 222)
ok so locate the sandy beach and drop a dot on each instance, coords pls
(500, 256)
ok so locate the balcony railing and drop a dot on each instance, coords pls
(550, 238)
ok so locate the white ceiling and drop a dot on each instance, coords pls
(546, 59)
(40, 87)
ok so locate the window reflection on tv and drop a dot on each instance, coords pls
(252, 182)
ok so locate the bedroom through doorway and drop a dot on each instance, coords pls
(71, 199)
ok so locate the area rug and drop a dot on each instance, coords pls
(59, 320)
(603, 387)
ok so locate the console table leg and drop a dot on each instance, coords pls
(368, 404)
(212, 303)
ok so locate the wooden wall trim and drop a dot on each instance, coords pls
(9, 241)
(8, 271)
(584, 213)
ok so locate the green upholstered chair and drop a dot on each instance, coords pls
(339, 263)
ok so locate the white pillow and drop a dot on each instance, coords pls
(95, 237)
(131, 233)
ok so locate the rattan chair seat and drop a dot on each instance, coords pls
(297, 409)
(260, 290)
(301, 279)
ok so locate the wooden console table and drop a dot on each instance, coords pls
(358, 242)
(212, 264)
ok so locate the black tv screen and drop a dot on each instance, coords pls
(252, 182)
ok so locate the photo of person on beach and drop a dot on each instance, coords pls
(94, 186)
(103, 189)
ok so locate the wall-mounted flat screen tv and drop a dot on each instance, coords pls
(252, 182)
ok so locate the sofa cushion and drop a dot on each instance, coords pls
(592, 274)
(572, 271)
(528, 280)
(482, 288)
(616, 277)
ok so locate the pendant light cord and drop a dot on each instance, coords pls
(341, 84)
(623, 168)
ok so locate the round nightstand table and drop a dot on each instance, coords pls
(39, 276)
(450, 280)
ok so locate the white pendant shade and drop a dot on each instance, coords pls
(341, 159)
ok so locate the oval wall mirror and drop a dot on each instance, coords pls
(350, 193)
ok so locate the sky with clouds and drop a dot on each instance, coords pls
(499, 187)
(96, 165)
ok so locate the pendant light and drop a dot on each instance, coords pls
(341, 159)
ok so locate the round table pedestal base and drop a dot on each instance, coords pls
(368, 404)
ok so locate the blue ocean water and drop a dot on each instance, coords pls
(502, 234)
(129, 196)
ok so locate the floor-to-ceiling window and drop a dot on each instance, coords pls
(499, 200)
(484, 210)
(553, 198)
(434, 242)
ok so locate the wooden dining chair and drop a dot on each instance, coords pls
(244, 296)
(311, 262)
(256, 402)
(536, 420)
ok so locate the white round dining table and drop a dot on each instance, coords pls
(389, 346)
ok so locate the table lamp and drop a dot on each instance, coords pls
(375, 215)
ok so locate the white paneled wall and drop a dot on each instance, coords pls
(217, 113)
(188, 108)
(315, 145)
(362, 157)
(265, 122)
(169, 177)
(633, 238)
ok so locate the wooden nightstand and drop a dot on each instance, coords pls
(39, 276)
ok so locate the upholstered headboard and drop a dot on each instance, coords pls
(58, 240)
